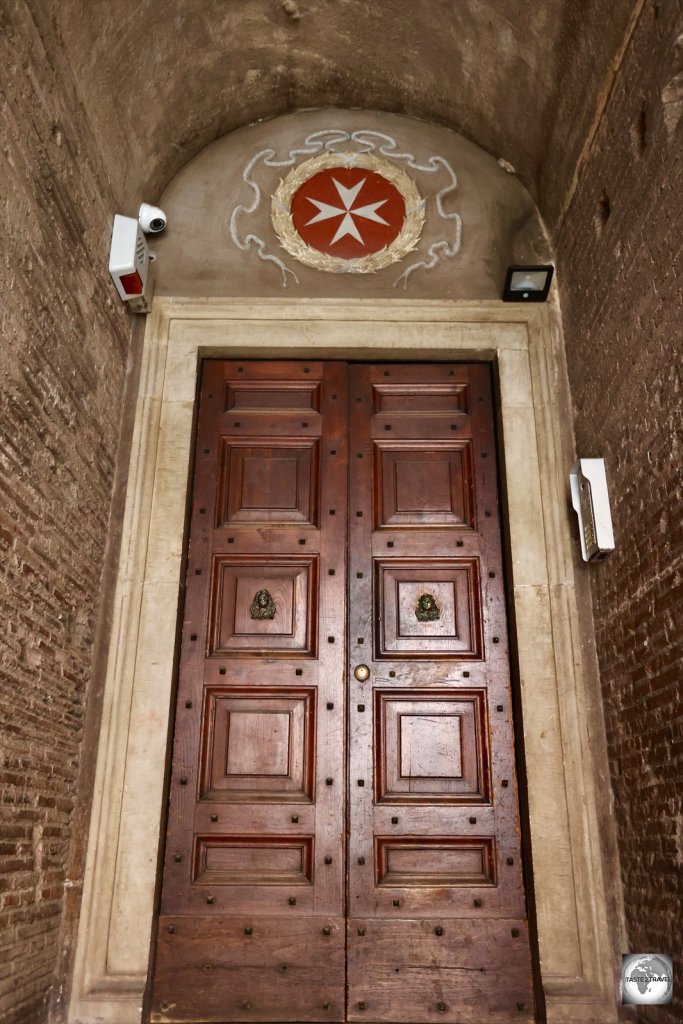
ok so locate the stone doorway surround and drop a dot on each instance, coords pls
(563, 737)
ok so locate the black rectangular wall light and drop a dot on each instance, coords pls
(528, 284)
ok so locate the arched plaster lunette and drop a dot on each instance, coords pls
(221, 241)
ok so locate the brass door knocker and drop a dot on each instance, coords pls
(426, 609)
(263, 606)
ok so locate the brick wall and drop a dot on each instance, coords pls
(63, 351)
(619, 251)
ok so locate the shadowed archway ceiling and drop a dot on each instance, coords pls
(160, 79)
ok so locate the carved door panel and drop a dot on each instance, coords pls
(252, 909)
(267, 914)
(437, 923)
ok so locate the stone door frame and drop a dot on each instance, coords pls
(563, 736)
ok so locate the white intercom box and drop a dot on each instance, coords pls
(590, 498)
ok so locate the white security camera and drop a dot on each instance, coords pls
(152, 220)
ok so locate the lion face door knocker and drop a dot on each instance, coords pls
(426, 609)
(263, 606)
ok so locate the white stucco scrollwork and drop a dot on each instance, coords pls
(362, 141)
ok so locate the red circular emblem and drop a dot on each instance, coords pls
(348, 212)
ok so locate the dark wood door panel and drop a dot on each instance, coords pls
(251, 969)
(431, 746)
(425, 484)
(258, 744)
(427, 608)
(275, 481)
(461, 970)
(264, 606)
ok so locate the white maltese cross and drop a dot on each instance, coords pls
(347, 212)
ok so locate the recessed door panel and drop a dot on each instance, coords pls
(265, 605)
(427, 608)
(274, 482)
(258, 744)
(425, 485)
(307, 879)
(431, 746)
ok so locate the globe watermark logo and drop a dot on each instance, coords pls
(646, 978)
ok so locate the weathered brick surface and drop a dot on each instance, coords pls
(619, 257)
(64, 344)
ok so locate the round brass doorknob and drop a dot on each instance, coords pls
(361, 672)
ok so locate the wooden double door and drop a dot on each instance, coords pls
(343, 834)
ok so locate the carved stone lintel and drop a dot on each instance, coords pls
(426, 609)
(263, 606)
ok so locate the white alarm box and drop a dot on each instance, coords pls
(129, 263)
(590, 498)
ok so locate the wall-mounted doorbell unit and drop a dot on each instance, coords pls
(588, 484)
(129, 260)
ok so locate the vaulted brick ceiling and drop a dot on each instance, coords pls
(162, 78)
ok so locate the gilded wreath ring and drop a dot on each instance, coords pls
(291, 240)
